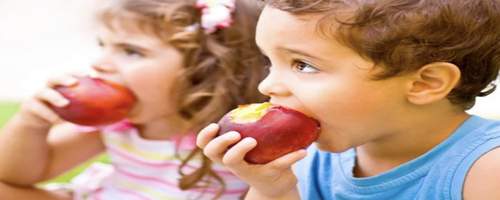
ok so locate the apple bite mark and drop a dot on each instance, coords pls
(249, 112)
(278, 130)
(95, 102)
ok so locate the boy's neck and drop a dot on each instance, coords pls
(421, 136)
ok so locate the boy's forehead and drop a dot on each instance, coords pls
(273, 15)
(274, 22)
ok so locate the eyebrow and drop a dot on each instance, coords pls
(299, 52)
(126, 45)
(131, 46)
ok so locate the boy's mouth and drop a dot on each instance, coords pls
(317, 123)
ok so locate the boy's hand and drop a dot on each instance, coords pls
(272, 180)
(35, 111)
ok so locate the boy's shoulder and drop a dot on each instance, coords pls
(480, 164)
(488, 128)
(483, 178)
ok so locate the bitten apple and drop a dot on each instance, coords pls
(95, 102)
(278, 130)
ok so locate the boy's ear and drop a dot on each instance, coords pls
(432, 82)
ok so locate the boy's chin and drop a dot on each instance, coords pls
(329, 148)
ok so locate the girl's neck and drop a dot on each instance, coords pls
(163, 128)
(385, 154)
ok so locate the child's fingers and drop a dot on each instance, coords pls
(287, 160)
(64, 80)
(216, 148)
(82, 73)
(52, 97)
(41, 110)
(206, 135)
(235, 156)
(69, 78)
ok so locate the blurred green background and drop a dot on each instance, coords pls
(7, 110)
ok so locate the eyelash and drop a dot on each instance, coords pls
(129, 52)
(297, 64)
(301, 65)
(133, 53)
(267, 62)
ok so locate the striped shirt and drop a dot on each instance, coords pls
(148, 169)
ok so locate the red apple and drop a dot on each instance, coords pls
(95, 102)
(278, 130)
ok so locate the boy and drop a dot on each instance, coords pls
(389, 82)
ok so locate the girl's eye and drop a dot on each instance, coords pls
(133, 53)
(305, 67)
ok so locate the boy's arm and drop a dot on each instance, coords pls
(30, 154)
(274, 180)
(483, 179)
(254, 195)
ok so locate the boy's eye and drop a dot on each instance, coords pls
(305, 67)
(266, 59)
(267, 62)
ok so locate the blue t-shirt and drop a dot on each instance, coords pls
(438, 174)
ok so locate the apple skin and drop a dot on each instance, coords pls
(278, 132)
(95, 102)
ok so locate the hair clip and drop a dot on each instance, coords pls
(215, 14)
(192, 27)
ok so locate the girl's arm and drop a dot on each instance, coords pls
(32, 151)
(30, 155)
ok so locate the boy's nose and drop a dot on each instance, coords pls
(274, 85)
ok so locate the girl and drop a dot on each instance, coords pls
(389, 81)
(188, 63)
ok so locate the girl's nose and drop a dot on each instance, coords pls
(104, 65)
(274, 85)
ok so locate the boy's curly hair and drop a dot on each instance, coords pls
(403, 35)
(222, 70)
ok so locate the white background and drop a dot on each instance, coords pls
(41, 38)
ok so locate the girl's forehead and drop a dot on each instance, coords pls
(122, 21)
(129, 27)
(130, 36)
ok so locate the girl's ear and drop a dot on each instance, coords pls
(432, 82)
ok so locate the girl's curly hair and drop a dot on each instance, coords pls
(222, 70)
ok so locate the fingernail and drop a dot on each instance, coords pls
(248, 141)
(93, 74)
(63, 102)
(71, 81)
(233, 135)
(212, 125)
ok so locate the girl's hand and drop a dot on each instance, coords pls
(36, 112)
(272, 180)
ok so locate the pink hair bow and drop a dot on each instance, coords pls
(215, 14)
